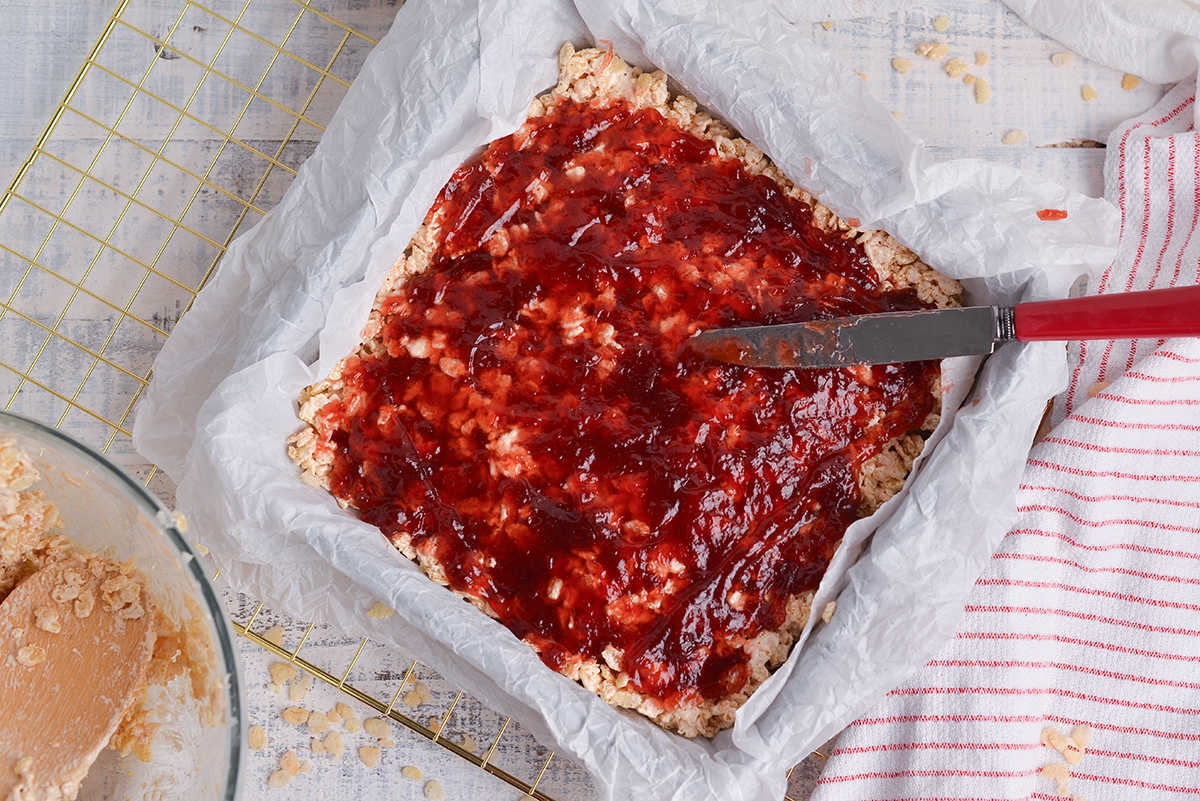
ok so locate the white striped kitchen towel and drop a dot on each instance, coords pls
(1089, 613)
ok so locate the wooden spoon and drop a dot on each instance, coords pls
(62, 694)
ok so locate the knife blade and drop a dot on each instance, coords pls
(941, 333)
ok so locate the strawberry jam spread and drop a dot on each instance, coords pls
(535, 423)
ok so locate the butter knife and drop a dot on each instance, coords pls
(939, 333)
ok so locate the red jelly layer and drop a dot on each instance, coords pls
(539, 426)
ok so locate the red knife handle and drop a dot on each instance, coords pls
(1156, 314)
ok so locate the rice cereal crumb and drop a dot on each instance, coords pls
(334, 745)
(1062, 59)
(1052, 738)
(983, 92)
(412, 772)
(1056, 772)
(981, 59)
(969, 79)
(467, 743)
(369, 755)
(280, 778)
(318, 722)
(1088, 93)
(376, 727)
(281, 672)
(295, 715)
(1130, 82)
(941, 23)
(902, 65)
(290, 762)
(956, 67)
(380, 612)
(1082, 735)
(256, 737)
(300, 687)
(934, 51)
(46, 618)
(274, 635)
(346, 711)
(1013, 137)
(827, 25)
(30, 655)
(434, 790)
(827, 613)
(352, 725)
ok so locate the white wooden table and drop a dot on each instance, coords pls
(45, 41)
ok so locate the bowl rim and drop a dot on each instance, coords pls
(164, 519)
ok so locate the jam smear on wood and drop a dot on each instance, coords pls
(539, 425)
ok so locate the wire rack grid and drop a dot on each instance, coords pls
(182, 128)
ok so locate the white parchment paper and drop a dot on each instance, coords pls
(291, 296)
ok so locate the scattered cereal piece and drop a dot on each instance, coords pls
(434, 723)
(902, 65)
(376, 727)
(1130, 82)
(256, 737)
(969, 79)
(1083, 733)
(274, 635)
(46, 618)
(275, 688)
(1013, 137)
(333, 716)
(280, 778)
(300, 687)
(1062, 59)
(84, 605)
(898, 115)
(983, 92)
(290, 762)
(934, 51)
(281, 672)
(955, 67)
(295, 715)
(1088, 93)
(335, 746)
(1052, 738)
(862, 75)
(434, 790)
(318, 722)
(369, 755)
(941, 23)
(346, 711)
(305, 766)
(827, 25)
(379, 612)
(1072, 753)
(412, 698)
(317, 746)
(352, 725)
(1056, 772)
(412, 772)
(467, 743)
(30, 655)
(827, 613)
(981, 59)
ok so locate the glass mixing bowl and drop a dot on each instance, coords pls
(197, 751)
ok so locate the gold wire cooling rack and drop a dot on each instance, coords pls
(182, 128)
